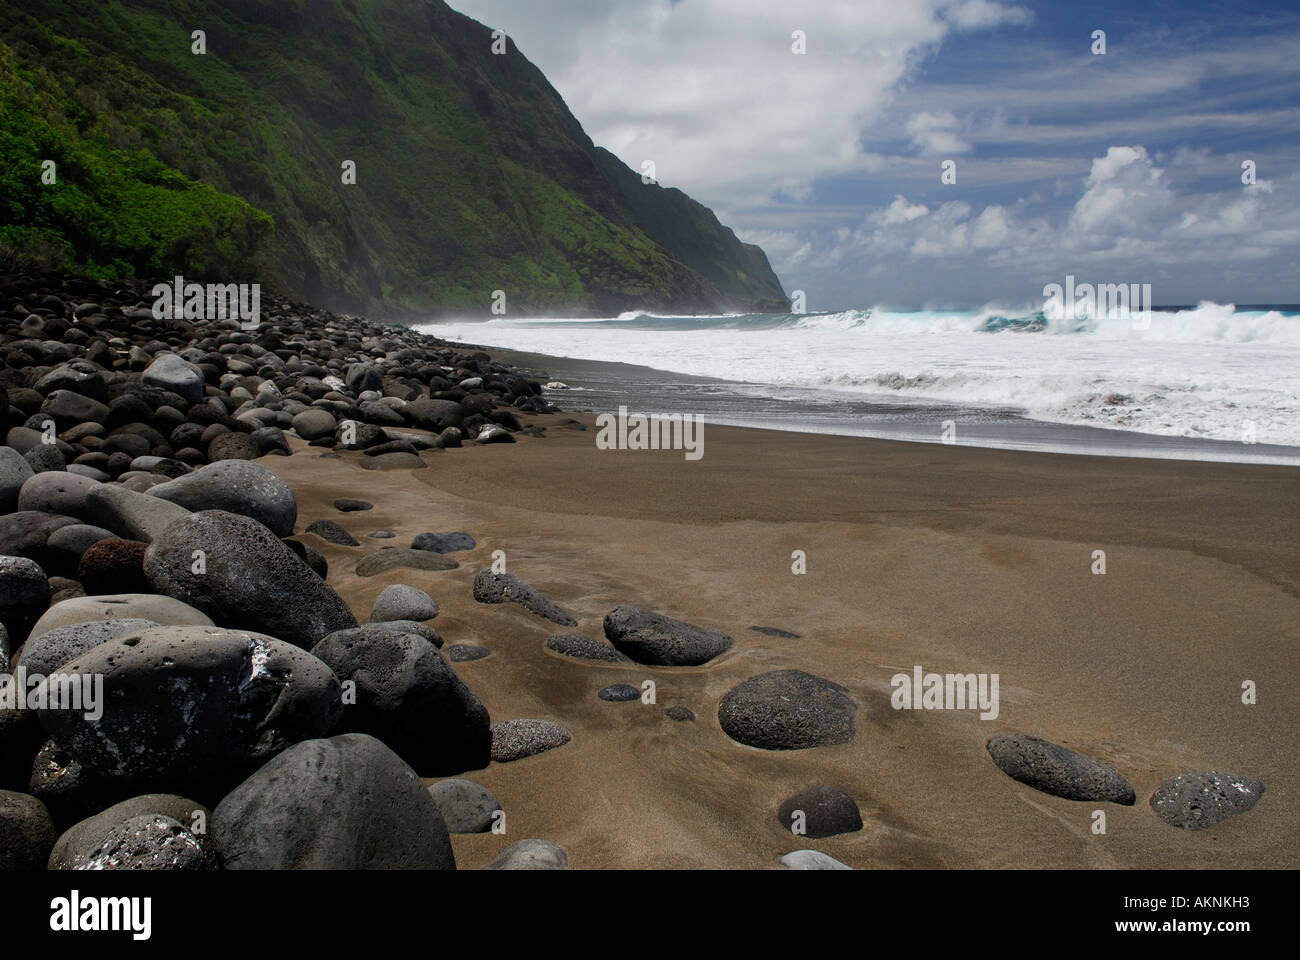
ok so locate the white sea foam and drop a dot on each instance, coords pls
(1205, 372)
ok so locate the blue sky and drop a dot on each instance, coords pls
(1117, 168)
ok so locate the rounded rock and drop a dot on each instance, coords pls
(821, 811)
(651, 638)
(194, 708)
(1197, 801)
(466, 807)
(47, 653)
(236, 486)
(79, 844)
(26, 832)
(409, 698)
(163, 611)
(788, 710)
(403, 602)
(250, 579)
(1057, 770)
(347, 803)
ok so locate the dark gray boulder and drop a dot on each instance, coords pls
(443, 542)
(580, 647)
(435, 415)
(169, 372)
(820, 811)
(94, 843)
(788, 710)
(236, 486)
(56, 492)
(466, 807)
(79, 377)
(26, 832)
(680, 714)
(651, 638)
(1197, 801)
(233, 446)
(490, 587)
(403, 602)
(314, 424)
(145, 842)
(1058, 770)
(131, 515)
(331, 532)
(68, 409)
(408, 697)
(24, 595)
(14, 472)
(194, 708)
(347, 803)
(163, 611)
(48, 652)
(249, 580)
(46, 458)
(362, 376)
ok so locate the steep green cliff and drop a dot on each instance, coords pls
(472, 175)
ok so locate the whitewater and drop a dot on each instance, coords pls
(1212, 371)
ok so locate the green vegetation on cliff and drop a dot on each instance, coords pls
(471, 173)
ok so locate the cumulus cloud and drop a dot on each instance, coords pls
(1126, 224)
(712, 92)
(900, 211)
(1125, 193)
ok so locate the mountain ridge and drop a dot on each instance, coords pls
(472, 175)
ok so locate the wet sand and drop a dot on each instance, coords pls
(959, 559)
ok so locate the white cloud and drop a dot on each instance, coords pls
(900, 211)
(935, 134)
(1126, 225)
(711, 91)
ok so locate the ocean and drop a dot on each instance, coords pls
(1209, 381)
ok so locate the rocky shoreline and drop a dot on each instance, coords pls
(205, 698)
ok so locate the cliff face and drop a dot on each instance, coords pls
(472, 175)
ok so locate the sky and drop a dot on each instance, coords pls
(1122, 166)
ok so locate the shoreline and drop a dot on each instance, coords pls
(607, 384)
